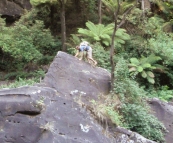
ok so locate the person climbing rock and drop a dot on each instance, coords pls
(84, 47)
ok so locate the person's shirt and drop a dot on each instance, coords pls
(84, 43)
(83, 48)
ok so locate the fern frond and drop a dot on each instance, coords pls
(152, 59)
(110, 4)
(92, 27)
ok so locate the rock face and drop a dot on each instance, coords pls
(50, 112)
(164, 112)
(68, 74)
(12, 9)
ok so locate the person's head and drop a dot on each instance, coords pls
(77, 47)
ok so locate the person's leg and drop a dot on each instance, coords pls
(89, 56)
(81, 54)
(85, 56)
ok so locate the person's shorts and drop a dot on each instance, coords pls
(89, 53)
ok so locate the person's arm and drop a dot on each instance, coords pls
(77, 53)
(81, 57)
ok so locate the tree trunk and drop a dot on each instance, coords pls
(112, 51)
(143, 8)
(63, 26)
(112, 59)
(100, 11)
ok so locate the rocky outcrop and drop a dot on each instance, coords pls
(50, 112)
(164, 112)
(68, 74)
(12, 9)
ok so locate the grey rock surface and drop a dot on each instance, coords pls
(49, 113)
(14, 8)
(164, 112)
(34, 114)
(67, 74)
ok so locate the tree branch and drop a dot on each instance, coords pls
(124, 16)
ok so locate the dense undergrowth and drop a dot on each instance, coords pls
(143, 57)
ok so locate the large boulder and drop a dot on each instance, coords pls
(12, 9)
(68, 75)
(164, 112)
(49, 113)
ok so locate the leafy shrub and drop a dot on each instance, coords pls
(46, 59)
(31, 42)
(105, 111)
(144, 66)
(133, 108)
(19, 82)
(24, 75)
(127, 88)
(161, 45)
(139, 120)
(115, 117)
(39, 2)
(102, 56)
(164, 93)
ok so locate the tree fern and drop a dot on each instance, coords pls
(164, 6)
(125, 4)
(73, 40)
(102, 34)
(144, 67)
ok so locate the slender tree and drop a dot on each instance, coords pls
(100, 10)
(61, 5)
(63, 24)
(117, 6)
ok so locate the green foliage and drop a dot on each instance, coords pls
(135, 113)
(39, 2)
(161, 45)
(140, 120)
(144, 67)
(164, 93)
(2, 23)
(121, 71)
(135, 16)
(153, 25)
(115, 117)
(20, 82)
(22, 45)
(99, 33)
(101, 56)
(105, 111)
(102, 34)
(45, 60)
(26, 41)
(164, 7)
(112, 5)
(128, 89)
(121, 37)
(74, 40)
(24, 75)
(88, 9)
